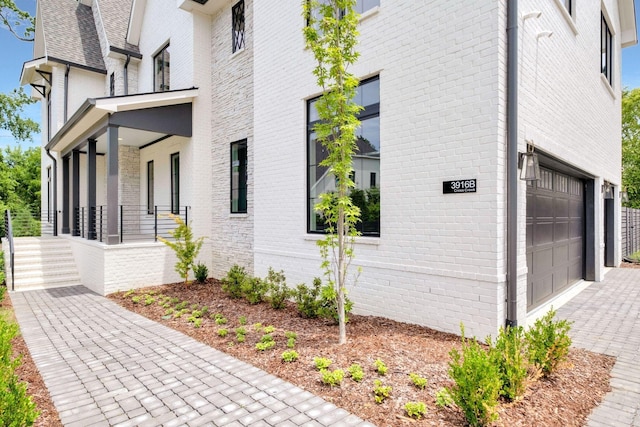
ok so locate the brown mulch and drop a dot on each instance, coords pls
(565, 399)
(28, 372)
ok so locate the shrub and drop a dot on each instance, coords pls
(477, 382)
(322, 363)
(201, 272)
(380, 392)
(443, 398)
(269, 329)
(241, 334)
(219, 319)
(254, 289)
(197, 323)
(222, 332)
(136, 299)
(307, 299)
(418, 381)
(277, 289)
(266, 343)
(242, 320)
(232, 283)
(548, 342)
(415, 409)
(290, 356)
(508, 354)
(332, 378)
(291, 338)
(149, 300)
(328, 307)
(184, 245)
(357, 374)
(381, 368)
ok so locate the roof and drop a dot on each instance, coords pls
(70, 33)
(115, 19)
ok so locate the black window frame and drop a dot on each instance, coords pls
(569, 5)
(175, 183)
(150, 188)
(112, 84)
(237, 27)
(606, 50)
(165, 83)
(369, 112)
(242, 175)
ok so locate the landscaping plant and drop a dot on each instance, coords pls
(254, 289)
(290, 356)
(322, 363)
(381, 368)
(356, 371)
(332, 378)
(278, 291)
(184, 245)
(232, 283)
(548, 342)
(508, 353)
(415, 409)
(443, 398)
(201, 272)
(418, 381)
(381, 392)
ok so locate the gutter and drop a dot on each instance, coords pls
(512, 163)
(55, 193)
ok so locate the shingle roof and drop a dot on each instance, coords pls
(70, 33)
(115, 19)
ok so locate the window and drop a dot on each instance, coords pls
(606, 50)
(150, 191)
(366, 162)
(239, 176)
(237, 26)
(568, 4)
(161, 70)
(112, 84)
(175, 183)
(49, 212)
(364, 5)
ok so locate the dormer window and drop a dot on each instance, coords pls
(161, 69)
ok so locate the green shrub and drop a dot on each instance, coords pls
(232, 283)
(241, 334)
(242, 320)
(290, 356)
(418, 381)
(381, 368)
(548, 342)
(308, 299)
(328, 307)
(197, 323)
(291, 338)
(381, 392)
(477, 382)
(269, 329)
(322, 363)
(332, 378)
(201, 272)
(508, 354)
(3, 290)
(222, 332)
(149, 300)
(443, 398)
(184, 245)
(136, 299)
(277, 289)
(357, 374)
(266, 342)
(415, 409)
(254, 289)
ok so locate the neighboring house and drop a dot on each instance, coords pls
(205, 108)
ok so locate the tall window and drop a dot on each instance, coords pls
(237, 26)
(366, 162)
(49, 211)
(175, 183)
(569, 5)
(606, 50)
(150, 191)
(161, 70)
(239, 176)
(112, 84)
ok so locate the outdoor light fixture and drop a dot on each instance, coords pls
(529, 166)
(624, 196)
(607, 190)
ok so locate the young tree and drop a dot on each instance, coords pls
(185, 246)
(331, 35)
(631, 145)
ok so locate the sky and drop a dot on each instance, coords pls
(14, 53)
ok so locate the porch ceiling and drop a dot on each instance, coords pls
(142, 119)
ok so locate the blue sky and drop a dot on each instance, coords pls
(15, 53)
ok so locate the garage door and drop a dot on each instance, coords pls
(555, 235)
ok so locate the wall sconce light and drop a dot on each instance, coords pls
(624, 196)
(529, 165)
(607, 190)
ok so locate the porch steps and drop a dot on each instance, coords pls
(43, 262)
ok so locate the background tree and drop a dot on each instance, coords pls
(20, 188)
(331, 35)
(19, 22)
(631, 145)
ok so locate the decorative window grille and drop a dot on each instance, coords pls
(237, 26)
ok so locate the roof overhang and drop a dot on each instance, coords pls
(152, 115)
(207, 7)
(628, 28)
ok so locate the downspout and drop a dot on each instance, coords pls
(66, 92)
(126, 75)
(512, 163)
(55, 193)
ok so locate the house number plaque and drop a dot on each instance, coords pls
(459, 186)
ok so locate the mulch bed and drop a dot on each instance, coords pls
(564, 399)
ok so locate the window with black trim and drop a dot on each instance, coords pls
(175, 183)
(112, 84)
(237, 26)
(150, 190)
(366, 163)
(569, 5)
(606, 50)
(162, 70)
(239, 176)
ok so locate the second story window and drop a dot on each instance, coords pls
(112, 84)
(161, 70)
(569, 5)
(237, 24)
(606, 50)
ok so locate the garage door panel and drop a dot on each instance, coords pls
(560, 279)
(544, 207)
(560, 255)
(575, 250)
(561, 231)
(576, 208)
(576, 229)
(543, 233)
(561, 208)
(542, 288)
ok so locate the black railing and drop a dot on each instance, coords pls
(135, 223)
(8, 229)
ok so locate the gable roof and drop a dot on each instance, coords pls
(115, 20)
(70, 33)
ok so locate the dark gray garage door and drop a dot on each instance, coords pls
(555, 229)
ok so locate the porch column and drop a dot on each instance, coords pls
(91, 189)
(75, 192)
(65, 195)
(113, 236)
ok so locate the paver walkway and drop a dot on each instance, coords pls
(607, 320)
(104, 365)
